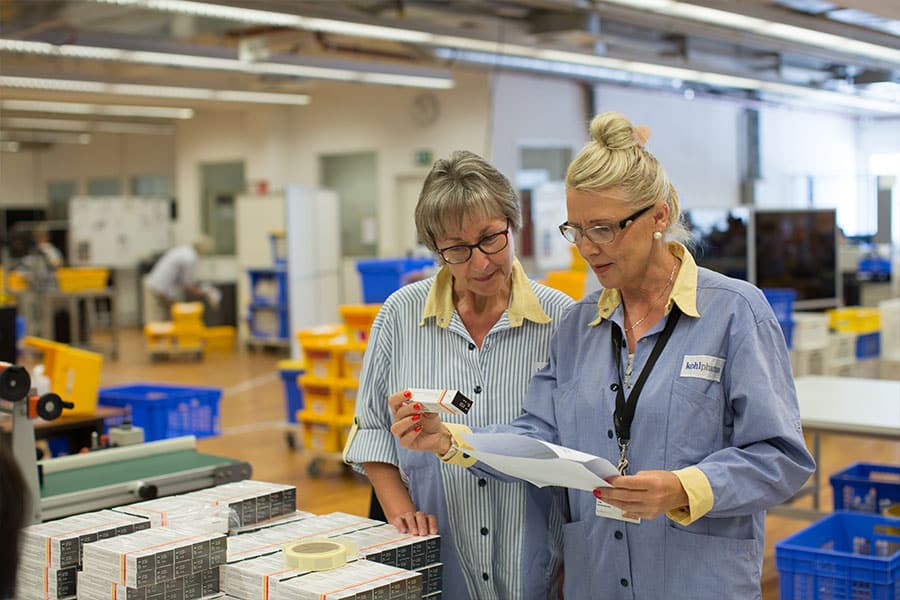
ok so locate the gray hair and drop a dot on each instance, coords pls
(461, 186)
(203, 244)
(616, 157)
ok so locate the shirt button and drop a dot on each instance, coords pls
(485, 576)
(484, 531)
(614, 387)
(618, 535)
(477, 389)
(482, 482)
(609, 433)
(471, 346)
(624, 582)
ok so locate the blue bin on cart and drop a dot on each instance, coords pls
(290, 370)
(381, 277)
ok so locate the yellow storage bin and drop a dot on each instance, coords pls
(319, 434)
(358, 319)
(343, 424)
(320, 395)
(74, 373)
(352, 359)
(320, 333)
(80, 279)
(15, 281)
(578, 263)
(854, 319)
(568, 282)
(323, 359)
(347, 392)
(219, 338)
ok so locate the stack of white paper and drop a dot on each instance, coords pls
(173, 511)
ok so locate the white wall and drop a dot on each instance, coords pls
(697, 141)
(24, 175)
(530, 110)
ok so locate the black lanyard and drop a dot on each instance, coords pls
(624, 414)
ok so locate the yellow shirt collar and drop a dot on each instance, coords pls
(684, 292)
(523, 303)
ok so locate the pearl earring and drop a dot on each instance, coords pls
(657, 235)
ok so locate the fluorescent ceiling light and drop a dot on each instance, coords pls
(781, 31)
(87, 126)
(672, 8)
(107, 110)
(130, 89)
(46, 137)
(615, 70)
(224, 64)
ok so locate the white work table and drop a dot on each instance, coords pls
(846, 406)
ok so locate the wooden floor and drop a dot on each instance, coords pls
(255, 429)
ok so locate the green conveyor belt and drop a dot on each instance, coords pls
(135, 469)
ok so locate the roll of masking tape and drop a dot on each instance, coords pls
(318, 554)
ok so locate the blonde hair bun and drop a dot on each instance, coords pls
(614, 131)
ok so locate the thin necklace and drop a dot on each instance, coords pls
(668, 283)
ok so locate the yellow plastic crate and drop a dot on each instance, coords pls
(352, 359)
(358, 319)
(74, 373)
(347, 392)
(323, 359)
(81, 279)
(15, 281)
(578, 263)
(569, 282)
(320, 333)
(343, 424)
(320, 395)
(321, 435)
(854, 319)
(220, 338)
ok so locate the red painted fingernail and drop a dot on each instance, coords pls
(407, 394)
(418, 428)
(598, 494)
(417, 406)
(416, 417)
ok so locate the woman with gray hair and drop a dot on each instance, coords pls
(482, 327)
(677, 374)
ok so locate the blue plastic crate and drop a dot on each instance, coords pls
(866, 487)
(268, 322)
(868, 345)
(273, 282)
(844, 556)
(167, 411)
(293, 393)
(278, 244)
(381, 277)
(782, 302)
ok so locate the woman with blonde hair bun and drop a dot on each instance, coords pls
(677, 375)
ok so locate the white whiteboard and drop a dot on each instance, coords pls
(117, 232)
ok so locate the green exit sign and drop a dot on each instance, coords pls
(423, 158)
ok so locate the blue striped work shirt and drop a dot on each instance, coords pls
(500, 540)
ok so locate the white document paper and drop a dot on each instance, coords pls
(539, 462)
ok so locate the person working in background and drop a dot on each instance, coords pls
(481, 326)
(172, 278)
(677, 374)
(47, 250)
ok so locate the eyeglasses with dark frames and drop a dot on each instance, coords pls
(490, 244)
(599, 234)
